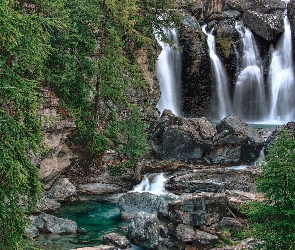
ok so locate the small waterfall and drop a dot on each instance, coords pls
(168, 72)
(154, 184)
(222, 93)
(281, 78)
(249, 96)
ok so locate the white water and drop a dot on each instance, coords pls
(281, 78)
(168, 72)
(224, 107)
(249, 96)
(154, 184)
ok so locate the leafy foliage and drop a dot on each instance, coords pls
(84, 51)
(274, 218)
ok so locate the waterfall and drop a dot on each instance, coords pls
(222, 93)
(281, 78)
(152, 183)
(168, 73)
(249, 96)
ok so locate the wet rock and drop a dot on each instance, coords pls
(143, 230)
(62, 190)
(196, 69)
(47, 205)
(130, 203)
(117, 240)
(52, 224)
(99, 188)
(198, 209)
(268, 26)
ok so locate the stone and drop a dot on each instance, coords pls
(198, 209)
(143, 230)
(196, 237)
(52, 224)
(232, 224)
(46, 205)
(62, 190)
(117, 240)
(132, 202)
(99, 188)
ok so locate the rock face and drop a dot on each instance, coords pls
(196, 140)
(56, 130)
(196, 83)
(143, 230)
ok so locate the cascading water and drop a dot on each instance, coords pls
(151, 183)
(168, 72)
(249, 96)
(281, 78)
(222, 93)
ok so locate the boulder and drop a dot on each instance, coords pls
(52, 224)
(268, 26)
(117, 240)
(143, 230)
(198, 209)
(130, 203)
(236, 136)
(232, 224)
(178, 138)
(62, 190)
(196, 140)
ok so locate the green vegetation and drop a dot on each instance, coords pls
(83, 50)
(274, 219)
